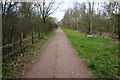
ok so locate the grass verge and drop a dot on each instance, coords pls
(14, 64)
(99, 54)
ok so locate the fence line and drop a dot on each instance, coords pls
(19, 44)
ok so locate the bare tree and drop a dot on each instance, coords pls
(91, 10)
(46, 9)
(85, 19)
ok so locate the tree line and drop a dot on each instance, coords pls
(24, 17)
(84, 17)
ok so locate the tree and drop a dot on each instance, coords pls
(21, 17)
(83, 17)
(7, 8)
(46, 10)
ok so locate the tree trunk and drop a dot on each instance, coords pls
(91, 27)
(44, 24)
(89, 30)
(32, 36)
(39, 35)
(118, 18)
(113, 30)
(75, 27)
(21, 41)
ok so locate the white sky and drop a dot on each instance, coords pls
(69, 4)
(61, 10)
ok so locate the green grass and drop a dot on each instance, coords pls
(99, 54)
(14, 64)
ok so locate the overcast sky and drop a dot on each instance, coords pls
(62, 8)
(69, 4)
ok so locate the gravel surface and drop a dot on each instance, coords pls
(58, 60)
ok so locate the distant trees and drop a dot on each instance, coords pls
(85, 18)
(22, 17)
(46, 9)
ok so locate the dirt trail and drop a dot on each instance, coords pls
(58, 60)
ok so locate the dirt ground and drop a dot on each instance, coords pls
(58, 59)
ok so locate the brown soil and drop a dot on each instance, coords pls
(57, 60)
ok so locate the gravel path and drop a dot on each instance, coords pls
(58, 60)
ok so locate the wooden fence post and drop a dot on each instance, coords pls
(14, 45)
(38, 35)
(8, 44)
(8, 48)
(21, 41)
(32, 36)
